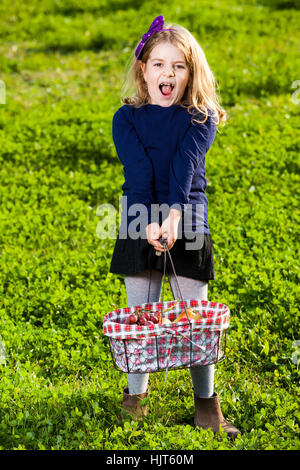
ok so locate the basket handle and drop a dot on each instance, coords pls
(163, 242)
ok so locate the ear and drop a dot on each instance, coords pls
(143, 69)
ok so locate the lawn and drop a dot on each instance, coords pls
(62, 63)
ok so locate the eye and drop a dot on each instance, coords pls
(158, 64)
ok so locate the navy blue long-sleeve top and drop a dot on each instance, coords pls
(163, 155)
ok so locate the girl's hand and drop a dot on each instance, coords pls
(169, 227)
(153, 232)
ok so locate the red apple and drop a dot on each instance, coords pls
(154, 319)
(132, 319)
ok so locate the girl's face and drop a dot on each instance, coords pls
(166, 65)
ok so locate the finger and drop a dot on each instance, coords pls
(153, 236)
(168, 241)
(171, 244)
(156, 244)
(158, 248)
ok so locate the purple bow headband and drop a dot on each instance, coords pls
(157, 25)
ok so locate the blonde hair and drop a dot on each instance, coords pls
(200, 93)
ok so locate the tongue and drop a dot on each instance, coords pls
(166, 89)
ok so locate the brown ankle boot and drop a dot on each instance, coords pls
(131, 404)
(208, 415)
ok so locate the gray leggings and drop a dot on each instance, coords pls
(137, 291)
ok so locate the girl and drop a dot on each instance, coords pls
(162, 135)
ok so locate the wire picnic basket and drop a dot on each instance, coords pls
(197, 340)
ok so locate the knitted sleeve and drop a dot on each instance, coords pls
(138, 170)
(190, 153)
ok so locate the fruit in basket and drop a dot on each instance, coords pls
(143, 317)
(131, 319)
(182, 319)
(142, 321)
(192, 315)
(154, 319)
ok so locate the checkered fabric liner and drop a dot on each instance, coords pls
(140, 349)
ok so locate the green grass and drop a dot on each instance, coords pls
(63, 63)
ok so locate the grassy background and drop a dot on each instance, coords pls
(63, 62)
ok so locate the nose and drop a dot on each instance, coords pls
(170, 71)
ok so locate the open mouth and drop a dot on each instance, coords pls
(166, 88)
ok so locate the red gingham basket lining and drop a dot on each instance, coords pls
(140, 349)
(215, 316)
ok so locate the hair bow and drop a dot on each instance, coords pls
(156, 25)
